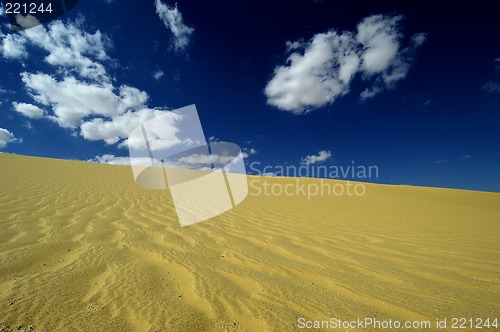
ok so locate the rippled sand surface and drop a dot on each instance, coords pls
(82, 248)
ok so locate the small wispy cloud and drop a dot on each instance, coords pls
(111, 160)
(157, 75)
(247, 152)
(491, 87)
(322, 156)
(439, 161)
(172, 18)
(466, 157)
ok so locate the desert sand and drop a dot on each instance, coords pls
(83, 248)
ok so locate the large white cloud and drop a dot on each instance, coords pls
(79, 94)
(72, 100)
(320, 70)
(172, 18)
(101, 111)
(120, 126)
(72, 49)
(66, 45)
(315, 77)
(7, 137)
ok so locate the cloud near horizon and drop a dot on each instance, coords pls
(322, 156)
(320, 70)
(6, 137)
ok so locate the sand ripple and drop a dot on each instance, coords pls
(83, 248)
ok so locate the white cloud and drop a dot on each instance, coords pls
(313, 79)
(125, 161)
(380, 39)
(72, 100)
(111, 159)
(206, 162)
(195, 161)
(101, 111)
(13, 46)
(4, 91)
(246, 152)
(69, 48)
(419, 39)
(7, 137)
(322, 156)
(28, 125)
(72, 49)
(320, 70)
(204, 159)
(80, 95)
(172, 19)
(370, 92)
(2, 11)
(120, 126)
(158, 75)
(397, 70)
(492, 86)
(29, 110)
(439, 161)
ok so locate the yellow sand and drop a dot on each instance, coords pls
(82, 248)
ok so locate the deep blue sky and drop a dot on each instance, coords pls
(438, 126)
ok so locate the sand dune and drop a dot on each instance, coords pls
(83, 248)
